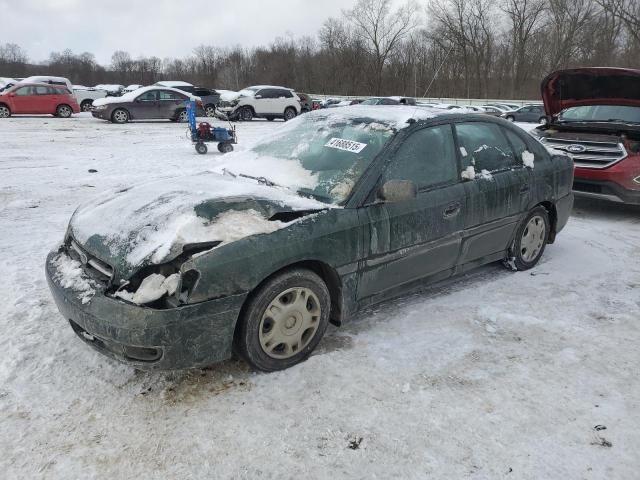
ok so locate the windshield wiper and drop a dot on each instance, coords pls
(260, 180)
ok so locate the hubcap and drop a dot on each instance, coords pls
(182, 117)
(120, 116)
(532, 239)
(210, 111)
(86, 107)
(289, 322)
(246, 114)
(4, 112)
(64, 111)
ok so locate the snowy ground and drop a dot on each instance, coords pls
(493, 375)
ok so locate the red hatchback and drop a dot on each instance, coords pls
(38, 98)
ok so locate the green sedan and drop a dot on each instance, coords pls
(332, 212)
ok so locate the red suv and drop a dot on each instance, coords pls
(594, 117)
(38, 98)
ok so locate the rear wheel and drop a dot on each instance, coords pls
(530, 241)
(120, 115)
(5, 112)
(511, 118)
(86, 105)
(542, 120)
(64, 111)
(182, 116)
(246, 114)
(225, 147)
(290, 114)
(284, 320)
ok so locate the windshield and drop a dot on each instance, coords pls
(601, 113)
(371, 101)
(248, 92)
(316, 155)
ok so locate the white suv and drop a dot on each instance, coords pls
(262, 101)
(84, 95)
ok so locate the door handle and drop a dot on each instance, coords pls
(524, 189)
(451, 210)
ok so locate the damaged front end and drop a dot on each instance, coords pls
(145, 321)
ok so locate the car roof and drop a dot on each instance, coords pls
(38, 84)
(173, 83)
(269, 86)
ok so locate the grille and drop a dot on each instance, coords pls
(95, 268)
(593, 154)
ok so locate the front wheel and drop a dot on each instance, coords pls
(290, 114)
(530, 241)
(511, 118)
(201, 148)
(120, 116)
(284, 320)
(246, 114)
(64, 111)
(210, 110)
(542, 120)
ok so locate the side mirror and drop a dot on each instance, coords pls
(397, 191)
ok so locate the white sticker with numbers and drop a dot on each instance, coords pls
(346, 145)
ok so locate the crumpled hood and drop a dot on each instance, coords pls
(151, 223)
(590, 86)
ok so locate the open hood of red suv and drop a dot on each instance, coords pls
(590, 86)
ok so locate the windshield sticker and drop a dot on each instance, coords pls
(346, 145)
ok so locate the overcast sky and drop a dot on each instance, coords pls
(164, 28)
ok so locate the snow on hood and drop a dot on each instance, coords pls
(131, 96)
(228, 95)
(150, 223)
(590, 86)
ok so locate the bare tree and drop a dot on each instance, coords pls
(526, 19)
(381, 30)
(626, 10)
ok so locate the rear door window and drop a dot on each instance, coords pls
(167, 95)
(427, 158)
(150, 96)
(518, 144)
(484, 147)
(285, 94)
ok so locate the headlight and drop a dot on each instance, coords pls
(100, 108)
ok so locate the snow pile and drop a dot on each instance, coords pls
(189, 228)
(284, 172)
(485, 174)
(468, 173)
(528, 158)
(228, 95)
(152, 288)
(69, 274)
(155, 219)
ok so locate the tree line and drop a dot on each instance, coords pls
(428, 48)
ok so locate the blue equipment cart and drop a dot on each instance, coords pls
(204, 133)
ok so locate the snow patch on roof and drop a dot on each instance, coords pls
(131, 96)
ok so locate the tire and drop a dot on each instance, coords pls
(510, 118)
(542, 120)
(269, 119)
(182, 116)
(290, 114)
(64, 111)
(120, 115)
(5, 111)
(530, 240)
(210, 110)
(201, 148)
(278, 328)
(225, 147)
(86, 105)
(246, 114)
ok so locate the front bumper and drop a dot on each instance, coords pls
(227, 113)
(190, 336)
(99, 114)
(618, 183)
